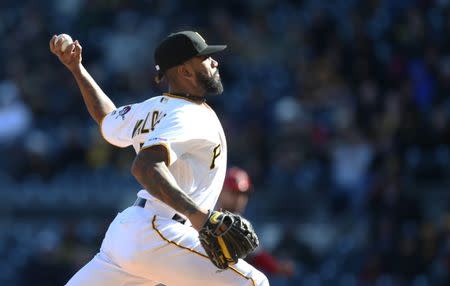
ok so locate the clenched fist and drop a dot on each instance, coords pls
(71, 57)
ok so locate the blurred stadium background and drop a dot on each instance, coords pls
(339, 110)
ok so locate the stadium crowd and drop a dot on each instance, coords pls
(339, 110)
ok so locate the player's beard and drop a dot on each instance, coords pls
(212, 85)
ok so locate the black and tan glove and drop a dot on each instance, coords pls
(226, 237)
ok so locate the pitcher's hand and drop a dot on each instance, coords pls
(71, 57)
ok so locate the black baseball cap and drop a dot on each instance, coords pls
(180, 47)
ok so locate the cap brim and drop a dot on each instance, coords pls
(212, 50)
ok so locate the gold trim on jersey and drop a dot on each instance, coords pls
(199, 101)
(100, 125)
(207, 106)
(193, 251)
(165, 145)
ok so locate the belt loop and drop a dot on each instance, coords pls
(141, 202)
(178, 218)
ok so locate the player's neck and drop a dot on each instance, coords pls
(188, 95)
(185, 88)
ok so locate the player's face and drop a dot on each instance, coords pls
(207, 75)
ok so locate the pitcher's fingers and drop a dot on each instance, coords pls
(52, 43)
(70, 48)
(67, 54)
(57, 47)
(78, 48)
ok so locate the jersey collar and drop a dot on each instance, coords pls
(187, 96)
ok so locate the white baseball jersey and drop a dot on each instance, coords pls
(144, 245)
(190, 131)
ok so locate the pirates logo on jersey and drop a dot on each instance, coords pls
(124, 111)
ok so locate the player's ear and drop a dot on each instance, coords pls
(185, 70)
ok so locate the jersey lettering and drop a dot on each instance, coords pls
(145, 130)
(141, 125)
(216, 153)
(137, 128)
(156, 118)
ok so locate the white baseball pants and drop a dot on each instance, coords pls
(142, 248)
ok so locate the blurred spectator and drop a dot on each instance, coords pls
(234, 198)
(351, 159)
(14, 114)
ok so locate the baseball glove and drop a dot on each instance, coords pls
(226, 237)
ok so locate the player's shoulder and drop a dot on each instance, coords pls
(163, 100)
(169, 103)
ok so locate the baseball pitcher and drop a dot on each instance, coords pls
(171, 235)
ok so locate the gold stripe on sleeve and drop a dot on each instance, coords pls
(101, 129)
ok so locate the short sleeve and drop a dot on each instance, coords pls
(116, 126)
(176, 133)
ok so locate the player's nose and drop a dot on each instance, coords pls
(214, 63)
